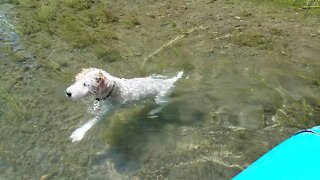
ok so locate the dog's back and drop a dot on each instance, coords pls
(137, 89)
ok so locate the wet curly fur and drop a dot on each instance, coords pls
(116, 92)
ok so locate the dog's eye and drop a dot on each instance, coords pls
(98, 79)
(85, 84)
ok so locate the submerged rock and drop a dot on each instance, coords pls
(26, 128)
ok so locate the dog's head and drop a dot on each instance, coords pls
(89, 81)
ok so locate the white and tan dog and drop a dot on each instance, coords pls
(116, 92)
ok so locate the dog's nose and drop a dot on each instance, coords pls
(68, 94)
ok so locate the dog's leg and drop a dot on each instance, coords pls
(79, 133)
(162, 101)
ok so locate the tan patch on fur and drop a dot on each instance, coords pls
(83, 73)
(102, 83)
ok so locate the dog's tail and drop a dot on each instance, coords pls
(178, 76)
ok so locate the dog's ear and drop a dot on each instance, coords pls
(102, 82)
(100, 77)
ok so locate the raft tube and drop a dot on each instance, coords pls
(296, 158)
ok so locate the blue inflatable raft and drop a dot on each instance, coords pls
(296, 158)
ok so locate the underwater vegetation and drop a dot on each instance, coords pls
(87, 24)
(297, 3)
(83, 23)
(80, 23)
(67, 25)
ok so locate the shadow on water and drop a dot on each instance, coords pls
(135, 138)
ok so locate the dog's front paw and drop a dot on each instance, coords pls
(77, 135)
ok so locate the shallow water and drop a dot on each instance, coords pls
(251, 80)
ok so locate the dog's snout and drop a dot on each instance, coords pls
(68, 94)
